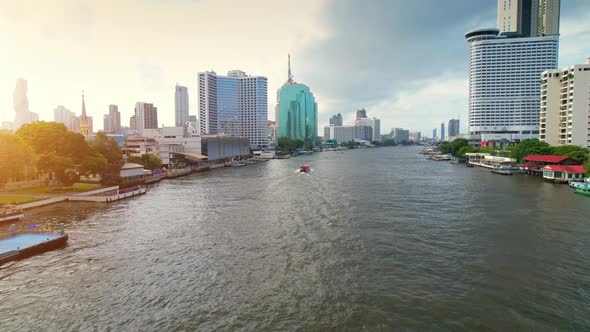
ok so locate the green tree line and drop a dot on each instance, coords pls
(49, 147)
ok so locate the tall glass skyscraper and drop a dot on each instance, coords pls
(297, 111)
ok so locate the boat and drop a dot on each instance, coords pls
(468, 164)
(579, 185)
(583, 191)
(21, 246)
(9, 212)
(502, 170)
(304, 169)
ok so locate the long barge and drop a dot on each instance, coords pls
(17, 247)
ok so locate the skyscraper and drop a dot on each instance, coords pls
(298, 111)
(434, 134)
(529, 18)
(453, 128)
(549, 12)
(112, 121)
(374, 124)
(181, 105)
(21, 105)
(336, 120)
(234, 105)
(504, 82)
(360, 114)
(442, 131)
(85, 121)
(146, 117)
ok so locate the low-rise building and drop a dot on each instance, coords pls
(133, 172)
(563, 173)
(534, 164)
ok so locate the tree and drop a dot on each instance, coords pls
(445, 147)
(530, 146)
(109, 149)
(58, 151)
(389, 142)
(572, 151)
(17, 157)
(465, 149)
(148, 161)
(457, 144)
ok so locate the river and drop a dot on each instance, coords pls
(375, 239)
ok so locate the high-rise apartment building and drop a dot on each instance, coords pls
(297, 111)
(504, 84)
(442, 131)
(234, 105)
(146, 117)
(565, 106)
(181, 105)
(453, 128)
(361, 114)
(549, 12)
(336, 120)
(374, 124)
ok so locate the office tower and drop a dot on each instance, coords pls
(298, 111)
(85, 121)
(63, 115)
(181, 105)
(453, 128)
(549, 11)
(361, 114)
(442, 131)
(21, 105)
(504, 84)
(146, 117)
(336, 120)
(434, 134)
(234, 105)
(565, 106)
(114, 119)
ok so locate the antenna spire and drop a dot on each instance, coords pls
(290, 76)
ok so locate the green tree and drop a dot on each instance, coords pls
(572, 151)
(445, 147)
(457, 144)
(148, 161)
(389, 142)
(58, 151)
(17, 157)
(110, 151)
(530, 146)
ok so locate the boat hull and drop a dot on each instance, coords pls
(582, 192)
(34, 250)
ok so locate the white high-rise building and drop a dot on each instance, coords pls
(181, 105)
(21, 105)
(504, 84)
(234, 105)
(565, 106)
(375, 125)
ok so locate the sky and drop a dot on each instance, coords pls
(405, 62)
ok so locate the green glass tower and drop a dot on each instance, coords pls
(297, 111)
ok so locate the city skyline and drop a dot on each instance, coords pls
(404, 103)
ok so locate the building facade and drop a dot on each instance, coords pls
(21, 105)
(234, 105)
(415, 136)
(374, 124)
(342, 134)
(504, 85)
(549, 13)
(146, 117)
(434, 136)
(442, 131)
(336, 120)
(181, 105)
(297, 111)
(63, 115)
(565, 106)
(401, 135)
(112, 120)
(529, 18)
(453, 128)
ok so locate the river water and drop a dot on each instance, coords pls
(375, 239)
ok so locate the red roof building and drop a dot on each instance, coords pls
(551, 160)
(564, 173)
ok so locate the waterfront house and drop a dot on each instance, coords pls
(534, 164)
(131, 172)
(563, 173)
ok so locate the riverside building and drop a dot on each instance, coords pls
(565, 106)
(504, 85)
(234, 105)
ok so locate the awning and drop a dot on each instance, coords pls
(193, 156)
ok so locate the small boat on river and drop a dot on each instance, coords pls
(502, 170)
